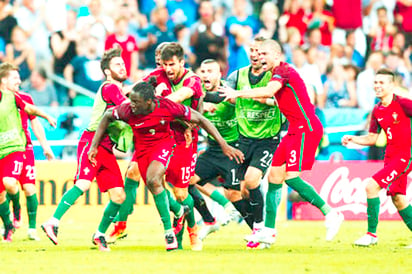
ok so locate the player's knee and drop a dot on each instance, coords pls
(2, 197)
(372, 188)
(233, 195)
(10, 184)
(180, 194)
(154, 184)
(118, 196)
(399, 201)
(29, 189)
(133, 172)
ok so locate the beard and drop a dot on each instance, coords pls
(118, 77)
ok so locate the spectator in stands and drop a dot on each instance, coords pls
(382, 33)
(136, 20)
(31, 18)
(352, 53)
(295, 16)
(395, 62)
(96, 23)
(403, 18)
(63, 46)
(84, 70)
(207, 37)
(121, 38)
(42, 91)
(240, 29)
(364, 83)
(182, 34)
(322, 19)
(20, 52)
(338, 92)
(7, 21)
(159, 30)
(182, 11)
(269, 16)
(348, 17)
(292, 42)
(309, 73)
(314, 39)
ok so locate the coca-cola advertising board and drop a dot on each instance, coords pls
(342, 185)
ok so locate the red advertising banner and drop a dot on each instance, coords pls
(342, 185)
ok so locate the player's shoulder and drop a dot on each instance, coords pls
(283, 70)
(25, 96)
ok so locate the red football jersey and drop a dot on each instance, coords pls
(24, 116)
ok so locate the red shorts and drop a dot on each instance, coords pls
(28, 174)
(179, 171)
(298, 150)
(11, 166)
(161, 152)
(393, 176)
(106, 171)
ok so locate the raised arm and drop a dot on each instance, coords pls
(33, 110)
(268, 91)
(364, 140)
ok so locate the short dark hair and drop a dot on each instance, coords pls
(388, 72)
(108, 56)
(172, 49)
(146, 89)
(259, 38)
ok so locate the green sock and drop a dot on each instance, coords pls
(32, 204)
(406, 215)
(68, 199)
(15, 198)
(5, 213)
(219, 198)
(109, 214)
(373, 214)
(162, 205)
(130, 187)
(307, 192)
(174, 206)
(191, 222)
(273, 197)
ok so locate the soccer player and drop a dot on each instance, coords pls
(180, 85)
(28, 175)
(12, 140)
(131, 182)
(296, 151)
(213, 163)
(150, 118)
(259, 127)
(105, 170)
(393, 115)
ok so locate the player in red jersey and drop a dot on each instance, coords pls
(393, 115)
(296, 151)
(28, 176)
(12, 140)
(106, 170)
(150, 118)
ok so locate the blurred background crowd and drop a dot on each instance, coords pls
(336, 45)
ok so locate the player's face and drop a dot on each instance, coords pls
(118, 69)
(12, 81)
(254, 55)
(138, 104)
(210, 76)
(266, 57)
(173, 68)
(382, 85)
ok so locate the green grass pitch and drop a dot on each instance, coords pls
(300, 248)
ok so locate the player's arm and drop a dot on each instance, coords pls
(406, 105)
(261, 92)
(364, 140)
(98, 136)
(38, 131)
(180, 95)
(229, 151)
(33, 110)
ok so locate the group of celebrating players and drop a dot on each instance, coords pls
(161, 115)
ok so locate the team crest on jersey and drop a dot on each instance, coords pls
(395, 117)
(162, 122)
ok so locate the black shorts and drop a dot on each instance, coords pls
(258, 153)
(213, 163)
